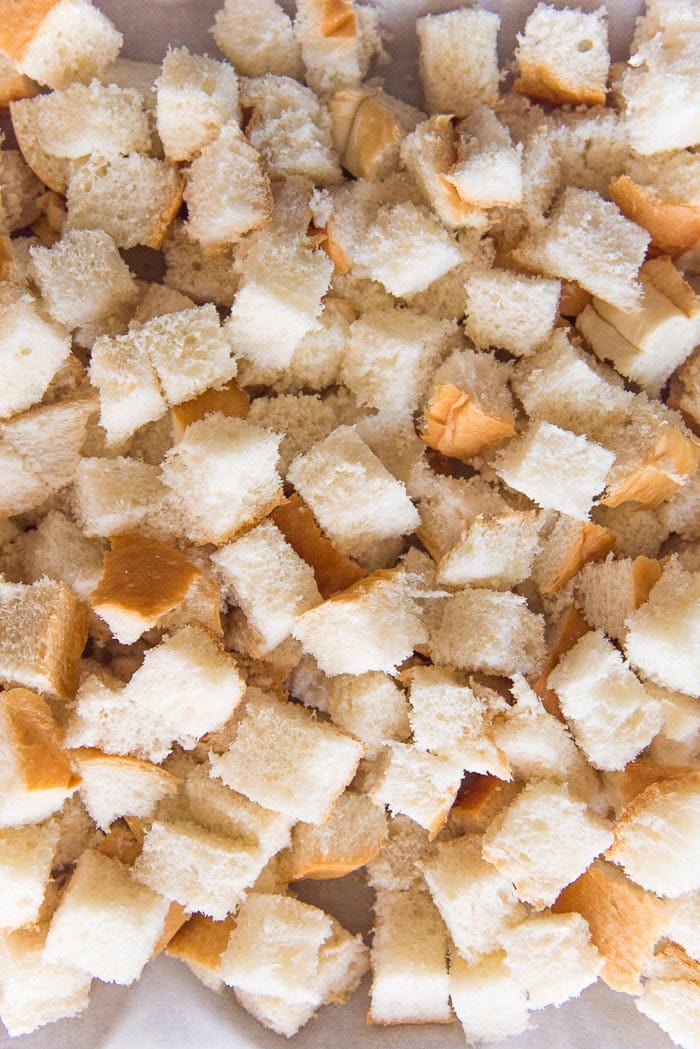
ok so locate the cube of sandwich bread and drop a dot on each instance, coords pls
(373, 625)
(525, 842)
(485, 630)
(297, 747)
(34, 991)
(115, 785)
(433, 253)
(586, 239)
(458, 60)
(351, 837)
(685, 923)
(334, 50)
(239, 486)
(107, 923)
(569, 545)
(659, 92)
(259, 39)
(130, 394)
(196, 96)
(415, 783)
(625, 922)
(477, 904)
(473, 991)
(304, 419)
(533, 740)
(189, 272)
(370, 707)
(59, 41)
(611, 715)
(199, 943)
(26, 858)
(43, 630)
(656, 837)
(32, 349)
(509, 310)
(562, 56)
(52, 171)
(555, 468)
(268, 580)
(675, 1006)
(488, 168)
(568, 960)
(116, 495)
(494, 552)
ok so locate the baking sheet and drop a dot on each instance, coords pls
(168, 1007)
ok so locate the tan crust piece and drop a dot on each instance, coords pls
(684, 393)
(640, 774)
(568, 630)
(646, 572)
(19, 22)
(335, 252)
(229, 400)
(671, 962)
(338, 19)
(573, 299)
(34, 738)
(591, 543)
(201, 941)
(541, 84)
(174, 920)
(625, 921)
(674, 227)
(333, 571)
(667, 279)
(430, 154)
(674, 458)
(456, 425)
(14, 86)
(351, 837)
(124, 841)
(373, 131)
(478, 803)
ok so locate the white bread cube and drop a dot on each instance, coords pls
(21, 192)
(541, 464)
(221, 208)
(352, 495)
(32, 349)
(269, 581)
(675, 1006)
(193, 274)
(417, 784)
(116, 495)
(409, 961)
(458, 60)
(106, 924)
(475, 989)
(488, 168)
(238, 486)
(337, 42)
(390, 357)
(33, 991)
(130, 394)
(563, 56)
(26, 859)
(384, 255)
(586, 239)
(477, 904)
(685, 923)
(52, 171)
(429, 153)
(567, 961)
(662, 638)
(535, 743)
(656, 837)
(659, 91)
(296, 747)
(395, 865)
(302, 418)
(83, 280)
(611, 715)
(568, 546)
(495, 552)
(510, 310)
(200, 870)
(149, 191)
(488, 631)
(351, 837)
(543, 841)
(258, 39)
(196, 96)
(114, 785)
(373, 625)
(69, 40)
(371, 707)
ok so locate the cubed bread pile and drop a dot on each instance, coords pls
(367, 538)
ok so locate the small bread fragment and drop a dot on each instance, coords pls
(475, 988)
(32, 349)
(610, 591)
(534, 742)
(562, 56)
(200, 942)
(563, 943)
(26, 858)
(352, 836)
(487, 630)
(196, 97)
(433, 252)
(625, 921)
(36, 991)
(510, 310)
(368, 129)
(258, 39)
(560, 637)
(114, 496)
(458, 60)
(488, 168)
(480, 799)
(14, 85)
(429, 153)
(371, 707)
(415, 783)
(675, 1006)
(337, 39)
(230, 400)
(495, 552)
(674, 226)
(114, 785)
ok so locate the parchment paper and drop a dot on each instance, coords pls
(169, 1008)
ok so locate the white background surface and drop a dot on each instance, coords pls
(169, 1008)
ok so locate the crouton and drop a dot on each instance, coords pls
(458, 60)
(32, 348)
(563, 56)
(351, 836)
(196, 97)
(415, 783)
(474, 989)
(113, 785)
(488, 631)
(258, 40)
(488, 168)
(36, 991)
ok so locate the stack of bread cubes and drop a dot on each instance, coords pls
(367, 537)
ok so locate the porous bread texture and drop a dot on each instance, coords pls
(196, 97)
(611, 590)
(113, 785)
(303, 419)
(35, 991)
(33, 347)
(410, 983)
(488, 168)
(59, 42)
(297, 747)
(474, 989)
(195, 275)
(685, 923)
(370, 707)
(675, 1006)
(415, 783)
(258, 39)
(477, 904)
(352, 836)
(535, 743)
(458, 60)
(337, 42)
(395, 865)
(562, 56)
(116, 495)
(510, 310)
(526, 841)
(26, 858)
(14, 85)
(53, 171)
(562, 942)
(493, 551)
(383, 256)
(429, 153)
(20, 192)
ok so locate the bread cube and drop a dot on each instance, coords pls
(587, 240)
(563, 56)
(609, 592)
(258, 40)
(130, 394)
(534, 742)
(543, 841)
(662, 637)
(495, 552)
(200, 942)
(409, 961)
(337, 41)
(474, 989)
(353, 497)
(541, 464)
(675, 1006)
(371, 707)
(625, 922)
(106, 924)
(656, 836)
(26, 858)
(510, 310)
(304, 419)
(196, 97)
(476, 902)
(149, 191)
(432, 253)
(21, 192)
(114, 496)
(569, 545)
(415, 783)
(59, 41)
(659, 91)
(14, 85)
(296, 747)
(114, 785)
(488, 631)
(35, 991)
(32, 349)
(563, 943)
(351, 837)
(429, 153)
(458, 60)
(685, 923)
(239, 485)
(488, 168)
(395, 865)
(480, 799)
(368, 126)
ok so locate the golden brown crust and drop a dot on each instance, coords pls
(333, 571)
(65, 640)
(541, 83)
(567, 631)
(670, 282)
(674, 227)
(338, 256)
(124, 841)
(19, 23)
(672, 461)
(671, 962)
(338, 19)
(143, 577)
(480, 799)
(680, 780)
(155, 236)
(455, 424)
(646, 572)
(591, 543)
(625, 921)
(35, 741)
(229, 400)
(174, 920)
(373, 131)
(16, 86)
(640, 774)
(202, 941)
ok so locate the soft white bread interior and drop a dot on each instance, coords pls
(458, 60)
(571, 961)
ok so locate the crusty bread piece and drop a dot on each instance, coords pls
(675, 1006)
(114, 496)
(304, 419)
(53, 171)
(495, 552)
(510, 310)
(20, 192)
(488, 168)
(106, 924)
(14, 85)
(58, 41)
(474, 989)
(623, 786)
(525, 842)
(656, 838)
(563, 944)
(230, 400)
(368, 129)
(458, 60)
(35, 991)
(24, 325)
(566, 547)
(259, 39)
(563, 56)
(415, 783)
(337, 39)
(26, 858)
(113, 785)
(196, 96)
(674, 226)
(610, 591)
(352, 836)
(200, 942)
(480, 799)
(371, 707)
(332, 570)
